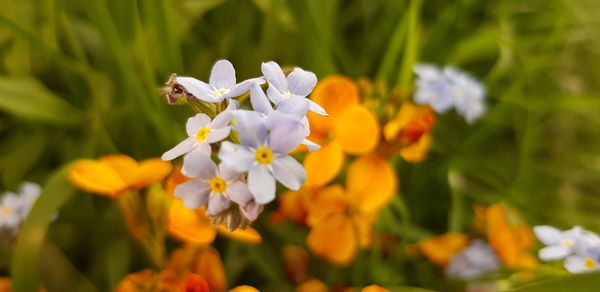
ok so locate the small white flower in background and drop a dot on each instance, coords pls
(475, 260)
(559, 244)
(579, 247)
(14, 208)
(221, 85)
(449, 87)
(264, 153)
(212, 186)
(202, 132)
(583, 263)
(297, 84)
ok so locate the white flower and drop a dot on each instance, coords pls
(559, 244)
(212, 186)
(583, 263)
(297, 84)
(294, 107)
(14, 208)
(221, 85)
(266, 142)
(202, 132)
(449, 87)
(10, 215)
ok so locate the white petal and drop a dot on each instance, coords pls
(259, 100)
(552, 253)
(274, 75)
(217, 135)
(197, 88)
(312, 146)
(223, 118)
(198, 165)
(243, 87)
(236, 156)
(316, 108)
(222, 75)
(183, 147)
(261, 184)
(296, 106)
(217, 203)
(228, 173)
(286, 133)
(274, 94)
(196, 123)
(548, 235)
(251, 210)
(289, 172)
(239, 193)
(575, 264)
(251, 128)
(301, 82)
(194, 193)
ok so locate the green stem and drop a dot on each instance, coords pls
(410, 51)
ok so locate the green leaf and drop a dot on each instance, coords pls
(571, 283)
(60, 274)
(29, 99)
(25, 266)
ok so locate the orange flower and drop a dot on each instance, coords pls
(5, 284)
(374, 288)
(295, 263)
(408, 132)
(510, 237)
(441, 249)
(112, 175)
(350, 128)
(312, 285)
(341, 219)
(202, 260)
(295, 204)
(195, 227)
(244, 288)
(165, 280)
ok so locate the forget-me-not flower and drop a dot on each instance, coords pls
(475, 260)
(202, 131)
(264, 153)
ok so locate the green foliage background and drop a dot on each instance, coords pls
(81, 78)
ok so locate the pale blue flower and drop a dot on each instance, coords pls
(202, 131)
(559, 244)
(298, 84)
(221, 85)
(293, 107)
(14, 208)
(264, 153)
(448, 88)
(583, 263)
(212, 186)
(475, 260)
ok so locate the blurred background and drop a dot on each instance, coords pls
(82, 79)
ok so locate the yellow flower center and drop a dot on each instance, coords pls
(217, 185)
(221, 91)
(5, 211)
(567, 243)
(264, 155)
(589, 263)
(202, 134)
(287, 94)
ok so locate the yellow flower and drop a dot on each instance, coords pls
(408, 132)
(193, 225)
(441, 249)
(350, 128)
(341, 219)
(510, 237)
(114, 174)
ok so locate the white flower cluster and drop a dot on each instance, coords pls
(579, 247)
(252, 146)
(444, 88)
(15, 207)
